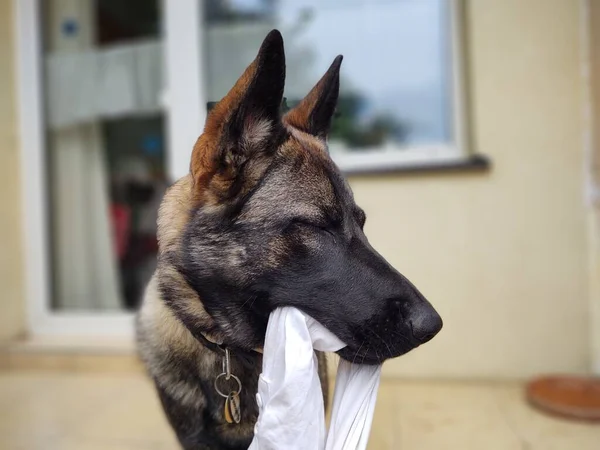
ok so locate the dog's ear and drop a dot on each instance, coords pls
(245, 124)
(314, 113)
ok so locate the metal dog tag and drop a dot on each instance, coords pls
(232, 410)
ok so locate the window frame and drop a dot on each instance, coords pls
(373, 160)
(456, 151)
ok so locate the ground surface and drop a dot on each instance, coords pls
(53, 411)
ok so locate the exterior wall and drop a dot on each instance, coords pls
(12, 315)
(502, 255)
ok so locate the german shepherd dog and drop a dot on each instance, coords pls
(264, 219)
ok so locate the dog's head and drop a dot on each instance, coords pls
(271, 222)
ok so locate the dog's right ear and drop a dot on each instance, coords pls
(314, 113)
(245, 125)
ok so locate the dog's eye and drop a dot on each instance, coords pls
(314, 225)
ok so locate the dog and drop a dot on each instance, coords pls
(264, 219)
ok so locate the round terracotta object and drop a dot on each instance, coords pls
(576, 398)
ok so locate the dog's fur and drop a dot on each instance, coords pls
(264, 219)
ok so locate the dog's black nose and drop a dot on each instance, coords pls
(423, 319)
(425, 323)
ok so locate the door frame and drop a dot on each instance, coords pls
(183, 106)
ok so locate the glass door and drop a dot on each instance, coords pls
(109, 112)
(105, 148)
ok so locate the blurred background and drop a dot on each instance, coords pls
(466, 129)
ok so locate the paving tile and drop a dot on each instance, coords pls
(449, 416)
(539, 431)
(50, 404)
(136, 414)
(112, 411)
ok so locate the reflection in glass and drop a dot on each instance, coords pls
(105, 151)
(395, 77)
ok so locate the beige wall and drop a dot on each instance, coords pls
(11, 267)
(501, 255)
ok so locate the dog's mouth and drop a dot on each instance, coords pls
(374, 354)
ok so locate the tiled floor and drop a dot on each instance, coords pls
(54, 411)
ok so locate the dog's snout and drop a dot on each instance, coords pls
(424, 321)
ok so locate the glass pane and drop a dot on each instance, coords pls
(105, 148)
(395, 82)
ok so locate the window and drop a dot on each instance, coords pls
(399, 98)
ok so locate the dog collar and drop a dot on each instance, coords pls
(216, 346)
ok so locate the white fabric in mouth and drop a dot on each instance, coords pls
(290, 400)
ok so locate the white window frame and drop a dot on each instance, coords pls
(427, 155)
(185, 106)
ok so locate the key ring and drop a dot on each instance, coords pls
(239, 389)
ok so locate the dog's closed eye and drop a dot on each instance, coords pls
(313, 225)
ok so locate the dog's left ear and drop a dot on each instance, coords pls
(244, 125)
(314, 113)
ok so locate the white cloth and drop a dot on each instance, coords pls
(290, 400)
